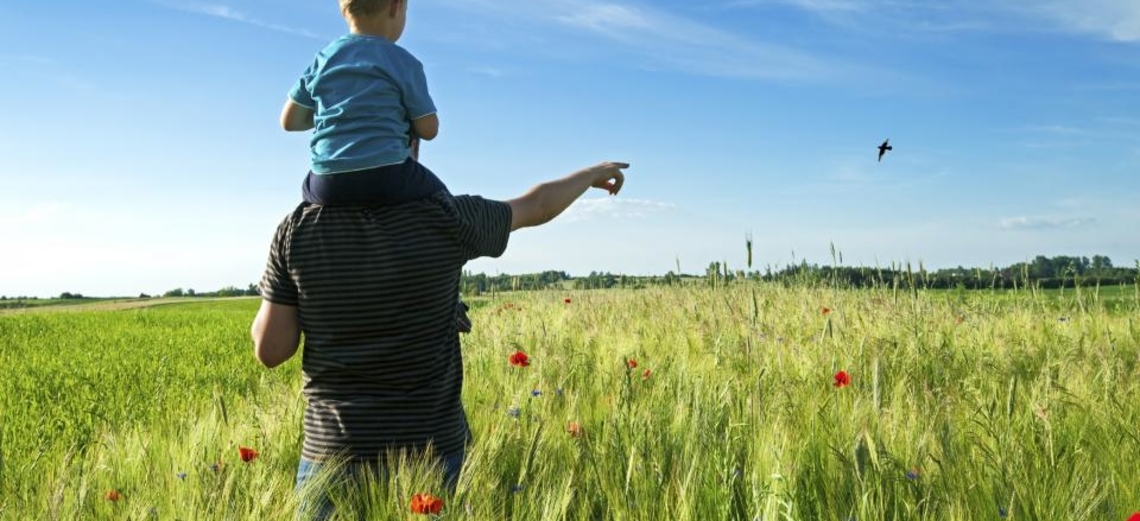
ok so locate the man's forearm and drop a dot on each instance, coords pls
(554, 197)
(547, 200)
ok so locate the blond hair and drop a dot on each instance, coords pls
(364, 8)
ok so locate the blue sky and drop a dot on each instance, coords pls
(142, 150)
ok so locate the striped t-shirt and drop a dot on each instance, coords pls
(375, 291)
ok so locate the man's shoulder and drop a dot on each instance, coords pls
(475, 205)
(290, 220)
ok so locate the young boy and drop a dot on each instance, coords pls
(367, 101)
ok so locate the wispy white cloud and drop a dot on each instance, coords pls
(665, 41)
(491, 72)
(1116, 20)
(1046, 223)
(229, 13)
(676, 42)
(818, 6)
(614, 207)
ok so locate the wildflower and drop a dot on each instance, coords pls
(646, 374)
(567, 300)
(514, 411)
(842, 379)
(112, 495)
(631, 363)
(825, 310)
(1002, 512)
(515, 489)
(519, 359)
(1134, 517)
(912, 474)
(426, 504)
(247, 454)
(576, 430)
(181, 475)
(558, 391)
(536, 393)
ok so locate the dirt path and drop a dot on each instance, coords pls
(114, 305)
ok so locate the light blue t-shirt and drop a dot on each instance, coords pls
(364, 92)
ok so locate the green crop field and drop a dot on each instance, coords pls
(960, 406)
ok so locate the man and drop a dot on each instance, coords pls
(373, 290)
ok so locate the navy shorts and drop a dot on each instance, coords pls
(386, 185)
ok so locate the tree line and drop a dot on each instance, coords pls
(1042, 272)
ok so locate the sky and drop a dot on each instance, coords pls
(142, 150)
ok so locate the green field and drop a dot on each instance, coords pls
(961, 406)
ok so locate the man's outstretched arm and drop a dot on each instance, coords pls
(545, 201)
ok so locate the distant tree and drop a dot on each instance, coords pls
(69, 296)
(143, 295)
(177, 292)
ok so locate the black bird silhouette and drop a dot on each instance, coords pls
(884, 148)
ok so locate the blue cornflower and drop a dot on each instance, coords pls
(514, 411)
(515, 489)
(1002, 512)
(181, 475)
(558, 391)
(536, 392)
(911, 475)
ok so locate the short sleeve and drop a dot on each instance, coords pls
(417, 100)
(300, 93)
(484, 226)
(277, 285)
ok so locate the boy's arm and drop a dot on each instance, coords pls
(545, 201)
(296, 117)
(426, 127)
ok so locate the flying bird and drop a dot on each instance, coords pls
(884, 148)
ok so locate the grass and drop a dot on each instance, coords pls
(962, 406)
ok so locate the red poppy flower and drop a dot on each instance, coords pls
(566, 300)
(576, 430)
(631, 363)
(247, 454)
(842, 379)
(519, 359)
(646, 374)
(113, 495)
(825, 310)
(426, 504)
(1134, 517)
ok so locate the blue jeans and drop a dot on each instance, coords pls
(318, 507)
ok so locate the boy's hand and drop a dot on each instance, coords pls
(608, 176)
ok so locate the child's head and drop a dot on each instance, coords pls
(384, 17)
